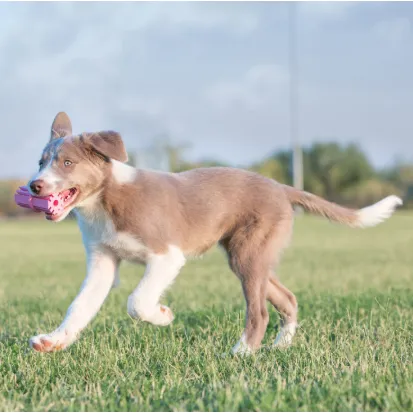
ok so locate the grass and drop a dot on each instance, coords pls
(353, 352)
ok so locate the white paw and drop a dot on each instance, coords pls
(160, 315)
(285, 336)
(242, 348)
(163, 316)
(46, 343)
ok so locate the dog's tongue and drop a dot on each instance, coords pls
(66, 193)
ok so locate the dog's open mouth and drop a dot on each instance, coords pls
(69, 196)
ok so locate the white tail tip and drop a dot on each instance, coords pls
(378, 212)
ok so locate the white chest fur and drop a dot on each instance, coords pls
(98, 229)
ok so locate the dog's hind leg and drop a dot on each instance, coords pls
(252, 252)
(254, 288)
(285, 303)
(161, 271)
(250, 263)
(279, 296)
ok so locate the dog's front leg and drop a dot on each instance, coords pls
(161, 271)
(102, 269)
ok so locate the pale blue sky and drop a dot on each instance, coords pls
(211, 74)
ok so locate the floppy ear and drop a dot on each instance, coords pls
(108, 144)
(61, 126)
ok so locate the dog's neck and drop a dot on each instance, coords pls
(119, 174)
(90, 208)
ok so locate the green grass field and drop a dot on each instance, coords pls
(353, 351)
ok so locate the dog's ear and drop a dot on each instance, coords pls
(61, 126)
(108, 144)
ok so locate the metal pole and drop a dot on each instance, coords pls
(294, 120)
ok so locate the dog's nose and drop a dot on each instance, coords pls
(36, 186)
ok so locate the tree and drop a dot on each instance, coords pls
(176, 156)
(400, 174)
(368, 192)
(330, 168)
(271, 168)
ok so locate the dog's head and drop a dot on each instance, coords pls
(75, 166)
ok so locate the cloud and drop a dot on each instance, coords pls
(254, 88)
(182, 16)
(244, 117)
(325, 10)
(393, 31)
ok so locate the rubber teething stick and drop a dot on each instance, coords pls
(51, 204)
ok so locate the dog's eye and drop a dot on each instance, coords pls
(40, 164)
(68, 163)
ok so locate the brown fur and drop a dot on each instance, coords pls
(107, 144)
(320, 206)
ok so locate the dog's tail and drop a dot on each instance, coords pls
(362, 218)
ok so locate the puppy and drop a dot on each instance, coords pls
(159, 219)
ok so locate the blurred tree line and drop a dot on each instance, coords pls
(339, 173)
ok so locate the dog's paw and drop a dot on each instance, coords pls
(47, 343)
(242, 348)
(285, 336)
(163, 316)
(159, 315)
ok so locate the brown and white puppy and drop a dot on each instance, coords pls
(159, 219)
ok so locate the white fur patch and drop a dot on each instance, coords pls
(242, 348)
(97, 228)
(285, 335)
(49, 176)
(127, 247)
(378, 212)
(123, 173)
(160, 273)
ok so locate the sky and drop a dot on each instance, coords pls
(214, 75)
